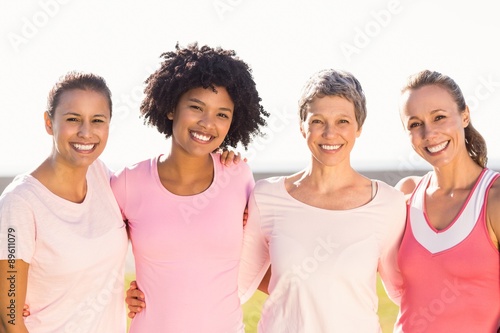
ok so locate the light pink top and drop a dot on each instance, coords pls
(324, 262)
(187, 248)
(76, 254)
(451, 276)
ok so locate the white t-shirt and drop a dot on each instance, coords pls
(76, 254)
(324, 262)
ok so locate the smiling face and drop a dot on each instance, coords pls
(201, 120)
(330, 129)
(79, 126)
(434, 124)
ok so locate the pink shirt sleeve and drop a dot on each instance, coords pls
(255, 258)
(118, 185)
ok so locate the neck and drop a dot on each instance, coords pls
(187, 166)
(457, 176)
(65, 181)
(327, 178)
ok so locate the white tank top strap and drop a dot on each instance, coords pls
(374, 188)
(437, 241)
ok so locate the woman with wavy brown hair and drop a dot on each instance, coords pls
(449, 256)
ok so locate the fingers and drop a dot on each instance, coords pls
(134, 300)
(245, 216)
(26, 310)
(223, 156)
(229, 157)
(237, 158)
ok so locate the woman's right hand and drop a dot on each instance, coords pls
(134, 300)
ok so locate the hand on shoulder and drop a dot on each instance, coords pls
(407, 185)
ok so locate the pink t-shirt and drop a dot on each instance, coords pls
(451, 276)
(187, 248)
(324, 262)
(76, 254)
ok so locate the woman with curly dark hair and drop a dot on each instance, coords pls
(184, 209)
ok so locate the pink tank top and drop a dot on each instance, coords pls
(451, 276)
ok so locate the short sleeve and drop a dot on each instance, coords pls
(119, 187)
(17, 228)
(255, 258)
(388, 264)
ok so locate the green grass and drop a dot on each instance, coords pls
(387, 310)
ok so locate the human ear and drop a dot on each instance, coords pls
(358, 132)
(466, 117)
(48, 123)
(170, 115)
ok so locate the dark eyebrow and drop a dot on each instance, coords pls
(196, 100)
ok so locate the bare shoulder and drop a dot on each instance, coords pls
(408, 184)
(493, 212)
(494, 201)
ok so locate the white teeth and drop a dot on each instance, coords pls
(83, 147)
(435, 149)
(201, 136)
(330, 147)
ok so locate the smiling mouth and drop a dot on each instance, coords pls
(201, 137)
(437, 148)
(84, 147)
(330, 147)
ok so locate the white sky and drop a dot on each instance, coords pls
(380, 41)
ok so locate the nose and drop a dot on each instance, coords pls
(329, 131)
(85, 130)
(429, 131)
(207, 120)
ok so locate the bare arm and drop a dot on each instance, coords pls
(493, 213)
(13, 285)
(264, 284)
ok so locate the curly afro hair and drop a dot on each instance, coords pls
(193, 67)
